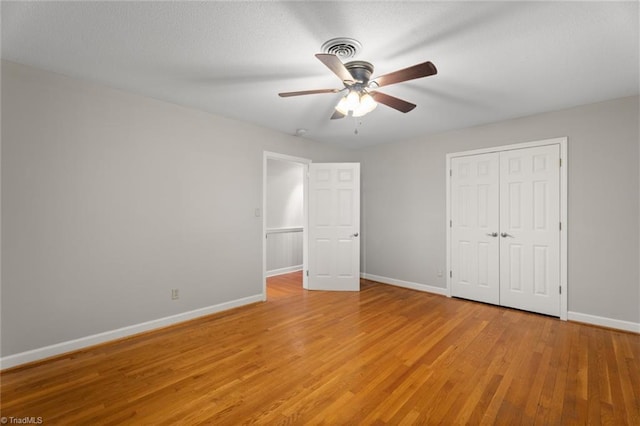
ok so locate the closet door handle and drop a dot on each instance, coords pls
(492, 234)
(505, 235)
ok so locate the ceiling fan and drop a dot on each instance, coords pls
(362, 96)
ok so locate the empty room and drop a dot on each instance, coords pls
(317, 212)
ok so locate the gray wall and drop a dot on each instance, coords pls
(110, 199)
(284, 194)
(404, 233)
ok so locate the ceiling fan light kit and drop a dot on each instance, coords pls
(358, 104)
(349, 102)
(361, 97)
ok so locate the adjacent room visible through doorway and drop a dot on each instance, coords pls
(284, 215)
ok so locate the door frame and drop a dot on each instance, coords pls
(267, 155)
(562, 142)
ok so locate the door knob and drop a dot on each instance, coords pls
(355, 235)
(492, 234)
(505, 235)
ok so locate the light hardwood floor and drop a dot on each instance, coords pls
(386, 355)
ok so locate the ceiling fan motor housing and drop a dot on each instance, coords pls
(360, 70)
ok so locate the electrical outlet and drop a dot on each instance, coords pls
(174, 294)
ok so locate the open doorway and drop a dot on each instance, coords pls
(285, 217)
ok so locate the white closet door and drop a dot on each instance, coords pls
(529, 229)
(474, 227)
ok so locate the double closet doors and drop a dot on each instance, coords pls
(505, 228)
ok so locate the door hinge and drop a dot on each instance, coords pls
(560, 289)
(561, 226)
(450, 224)
(450, 172)
(561, 162)
(450, 274)
(307, 272)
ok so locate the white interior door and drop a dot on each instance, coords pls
(530, 229)
(334, 226)
(474, 227)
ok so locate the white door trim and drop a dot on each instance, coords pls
(562, 142)
(267, 155)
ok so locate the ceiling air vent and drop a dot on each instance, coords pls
(342, 47)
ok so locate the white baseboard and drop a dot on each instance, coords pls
(286, 270)
(604, 322)
(95, 339)
(406, 284)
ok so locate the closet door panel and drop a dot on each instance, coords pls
(529, 229)
(474, 227)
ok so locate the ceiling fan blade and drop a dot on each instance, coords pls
(417, 71)
(335, 64)
(337, 114)
(392, 101)
(307, 92)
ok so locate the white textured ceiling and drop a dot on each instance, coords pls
(495, 60)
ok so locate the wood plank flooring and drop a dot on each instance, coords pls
(386, 355)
